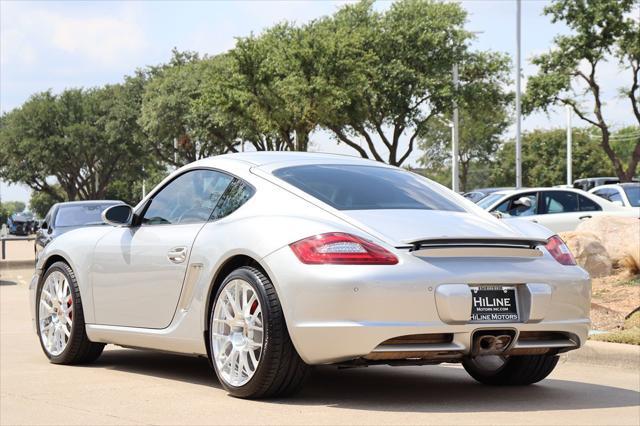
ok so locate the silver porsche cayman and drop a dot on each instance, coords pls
(270, 263)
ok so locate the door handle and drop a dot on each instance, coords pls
(585, 217)
(177, 254)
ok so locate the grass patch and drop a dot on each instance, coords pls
(630, 282)
(630, 336)
(632, 321)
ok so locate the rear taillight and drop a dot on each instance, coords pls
(560, 251)
(342, 249)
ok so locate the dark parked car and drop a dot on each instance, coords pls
(589, 183)
(22, 223)
(64, 217)
(478, 194)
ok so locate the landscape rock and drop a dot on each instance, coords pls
(621, 238)
(589, 252)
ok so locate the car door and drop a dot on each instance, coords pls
(138, 271)
(560, 211)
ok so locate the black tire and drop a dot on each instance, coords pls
(516, 371)
(79, 349)
(280, 371)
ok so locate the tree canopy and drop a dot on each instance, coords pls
(568, 73)
(379, 82)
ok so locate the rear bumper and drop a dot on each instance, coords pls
(337, 313)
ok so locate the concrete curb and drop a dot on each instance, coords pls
(7, 265)
(605, 353)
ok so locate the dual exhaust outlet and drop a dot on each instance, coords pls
(491, 342)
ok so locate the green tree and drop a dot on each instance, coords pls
(177, 128)
(483, 118)
(276, 87)
(544, 158)
(568, 73)
(41, 202)
(83, 138)
(388, 73)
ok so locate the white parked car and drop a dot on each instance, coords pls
(622, 194)
(269, 263)
(559, 209)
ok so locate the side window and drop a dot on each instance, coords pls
(519, 206)
(586, 205)
(615, 196)
(237, 194)
(47, 219)
(560, 202)
(189, 198)
(602, 193)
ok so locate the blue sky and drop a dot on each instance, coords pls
(55, 45)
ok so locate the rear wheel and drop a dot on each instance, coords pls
(60, 320)
(514, 370)
(250, 347)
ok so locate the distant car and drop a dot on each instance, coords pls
(622, 194)
(21, 223)
(64, 217)
(558, 209)
(480, 193)
(589, 183)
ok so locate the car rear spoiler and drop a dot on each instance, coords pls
(477, 247)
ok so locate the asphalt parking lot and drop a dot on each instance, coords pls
(140, 387)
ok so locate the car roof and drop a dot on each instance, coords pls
(261, 158)
(615, 185)
(89, 202)
(536, 189)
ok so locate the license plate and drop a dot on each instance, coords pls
(494, 304)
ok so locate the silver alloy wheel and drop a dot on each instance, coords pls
(55, 313)
(237, 332)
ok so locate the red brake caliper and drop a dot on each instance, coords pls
(69, 303)
(254, 306)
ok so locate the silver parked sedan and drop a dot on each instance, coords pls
(269, 263)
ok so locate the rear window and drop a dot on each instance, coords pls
(633, 194)
(80, 215)
(350, 187)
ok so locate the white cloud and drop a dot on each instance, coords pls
(31, 32)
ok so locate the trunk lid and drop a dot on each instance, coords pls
(406, 227)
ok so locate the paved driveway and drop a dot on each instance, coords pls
(140, 387)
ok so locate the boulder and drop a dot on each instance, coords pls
(589, 252)
(620, 236)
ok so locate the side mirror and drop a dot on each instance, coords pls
(44, 225)
(523, 201)
(120, 215)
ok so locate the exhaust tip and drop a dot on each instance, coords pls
(491, 342)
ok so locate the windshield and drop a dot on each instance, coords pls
(352, 187)
(633, 194)
(487, 201)
(80, 215)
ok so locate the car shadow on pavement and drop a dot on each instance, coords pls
(398, 389)
(7, 282)
(187, 369)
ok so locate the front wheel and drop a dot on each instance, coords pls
(510, 371)
(60, 320)
(250, 347)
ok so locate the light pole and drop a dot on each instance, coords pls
(518, 112)
(455, 138)
(569, 148)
